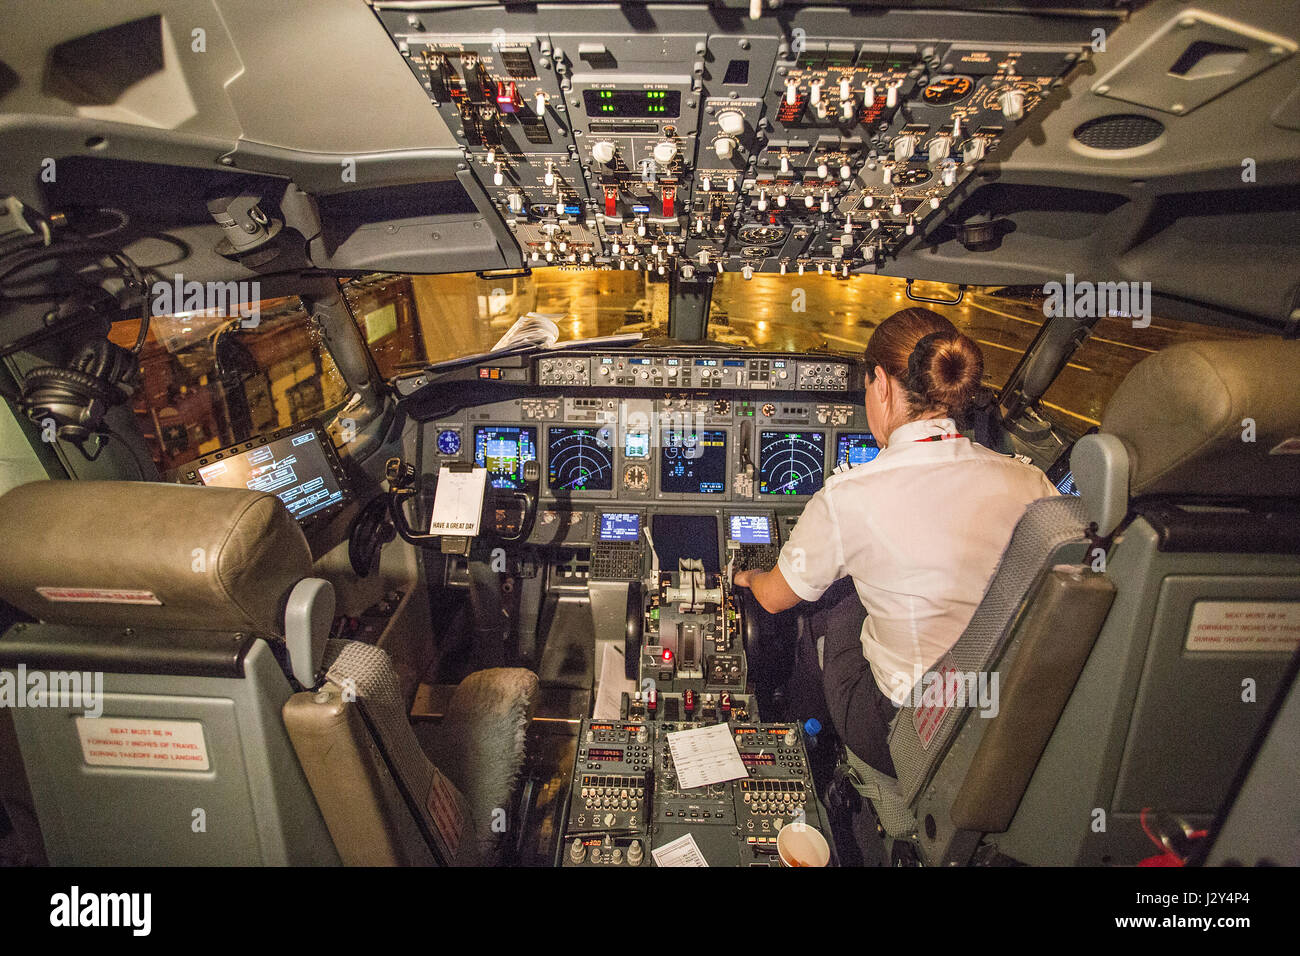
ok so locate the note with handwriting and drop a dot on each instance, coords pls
(458, 501)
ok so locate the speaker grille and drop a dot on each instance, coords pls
(1118, 131)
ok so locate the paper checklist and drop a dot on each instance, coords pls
(704, 756)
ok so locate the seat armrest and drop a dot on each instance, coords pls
(362, 806)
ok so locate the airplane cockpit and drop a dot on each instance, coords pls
(403, 400)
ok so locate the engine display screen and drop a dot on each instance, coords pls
(620, 526)
(750, 529)
(579, 459)
(791, 463)
(855, 448)
(502, 450)
(693, 462)
(632, 102)
(636, 444)
(293, 468)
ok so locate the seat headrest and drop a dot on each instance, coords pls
(1211, 418)
(147, 554)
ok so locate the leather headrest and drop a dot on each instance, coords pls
(1211, 418)
(146, 554)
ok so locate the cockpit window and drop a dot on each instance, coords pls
(210, 380)
(411, 321)
(796, 313)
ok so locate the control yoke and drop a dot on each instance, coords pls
(509, 513)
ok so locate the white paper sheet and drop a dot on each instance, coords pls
(705, 755)
(681, 852)
(611, 685)
(458, 501)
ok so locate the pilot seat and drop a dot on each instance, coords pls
(230, 730)
(1115, 697)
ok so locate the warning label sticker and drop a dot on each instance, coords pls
(98, 595)
(1245, 626)
(939, 695)
(143, 744)
(443, 804)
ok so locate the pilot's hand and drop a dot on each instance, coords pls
(743, 578)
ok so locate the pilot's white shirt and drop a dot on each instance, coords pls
(920, 528)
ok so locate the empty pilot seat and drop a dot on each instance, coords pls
(385, 801)
(173, 626)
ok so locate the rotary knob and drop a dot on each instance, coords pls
(939, 148)
(603, 152)
(724, 147)
(731, 122)
(1012, 104)
(904, 147)
(665, 151)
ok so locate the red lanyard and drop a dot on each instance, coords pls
(939, 437)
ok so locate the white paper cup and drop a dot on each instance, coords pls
(801, 845)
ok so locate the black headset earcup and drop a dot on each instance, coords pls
(74, 401)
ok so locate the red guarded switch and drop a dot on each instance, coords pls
(688, 701)
(508, 97)
(611, 202)
(670, 200)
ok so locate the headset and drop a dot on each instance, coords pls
(69, 401)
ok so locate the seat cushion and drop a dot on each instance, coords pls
(480, 746)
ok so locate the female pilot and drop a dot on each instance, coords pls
(920, 528)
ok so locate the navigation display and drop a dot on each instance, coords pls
(693, 462)
(750, 529)
(855, 448)
(293, 468)
(579, 459)
(503, 449)
(791, 463)
(622, 526)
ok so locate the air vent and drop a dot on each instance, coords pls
(1119, 131)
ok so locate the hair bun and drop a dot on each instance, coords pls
(940, 369)
(945, 368)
